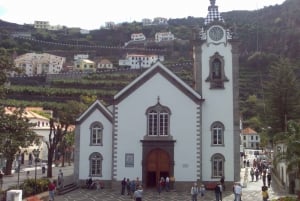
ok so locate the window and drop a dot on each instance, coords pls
(216, 75)
(158, 118)
(244, 137)
(216, 69)
(217, 165)
(96, 133)
(95, 164)
(251, 137)
(217, 130)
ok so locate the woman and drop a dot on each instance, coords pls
(138, 194)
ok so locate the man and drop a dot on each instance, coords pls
(237, 190)
(167, 184)
(1, 179)
(138, 194)
(60, 179)
(194, 192)
(51, 189)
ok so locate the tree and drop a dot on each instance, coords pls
(15, 132)
(282, 95)
(291, 139)
(65, 116)
(6, 63)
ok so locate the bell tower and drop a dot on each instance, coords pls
(216, 72)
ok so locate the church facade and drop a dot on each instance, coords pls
(159, 126)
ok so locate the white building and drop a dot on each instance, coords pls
(37, 64)
(136, 61)
(138, 37)
(250, 139)
(104, 64)
(158, 126)
(164, 36)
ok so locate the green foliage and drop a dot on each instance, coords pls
(29, 185)
(282, 95)
(16, 132)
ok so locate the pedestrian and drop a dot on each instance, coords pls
(264, 193)
(51, 190)
(128, 186)
(194, 192)
(132, 187)
(269, 179)
(27, 174)
(256, 174)
(1, 179)
(138, 194)
(252, 174)
(264, 177)
(237, 190)
(123, 184)
(202, 192)
(167, 184)
(60, 179)
(222, 181)
(218, 192)
(43, 168)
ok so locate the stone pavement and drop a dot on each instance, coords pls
(251, 192)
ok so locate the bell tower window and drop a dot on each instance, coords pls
(217, 75)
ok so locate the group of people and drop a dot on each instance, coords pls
(133, 187)
(163, 184)
(196, 191)
(94, 184)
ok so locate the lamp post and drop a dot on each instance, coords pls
(36, 153)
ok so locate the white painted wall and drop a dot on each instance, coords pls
(86, 149)
(132, 127)
(218, 106)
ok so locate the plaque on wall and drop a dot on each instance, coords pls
(129, 160)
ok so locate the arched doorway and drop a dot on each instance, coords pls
(158, 165)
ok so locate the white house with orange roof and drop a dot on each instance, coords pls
(250, 139)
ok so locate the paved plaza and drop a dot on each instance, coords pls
(251, 190)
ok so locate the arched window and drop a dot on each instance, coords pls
(216, 75)
(158, 120)
(217, 161)
(96, 130)
(217, 132)
(95, 164)
(216, 69)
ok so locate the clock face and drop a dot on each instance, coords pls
(216, 33)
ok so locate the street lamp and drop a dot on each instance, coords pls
(36, 153)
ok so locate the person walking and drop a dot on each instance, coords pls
(138, 194)
(194, 192)
(51, 190)
(237, 190)
(123, 184)
(269, 179)
(167, 184)
(128, 186)
(1, 179)
(218, 192)
(60, 179)
(222, 181)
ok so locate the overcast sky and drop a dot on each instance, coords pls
(92, 14)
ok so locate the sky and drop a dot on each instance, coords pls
(92, 14)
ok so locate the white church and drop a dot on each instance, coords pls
(159, 126)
